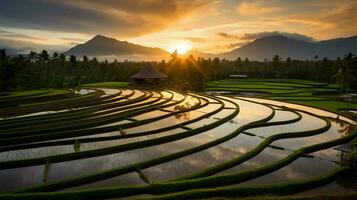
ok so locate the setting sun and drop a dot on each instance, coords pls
(181, 48)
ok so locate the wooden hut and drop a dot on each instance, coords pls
(148, 75)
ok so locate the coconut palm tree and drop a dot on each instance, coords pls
(62, 58)
(85, 59)
(344, 74)
(33, 56)
(55, 56)
(44, 56)
(73, 60)
(174, 56)
(77, 71)
(2, 54)
(276, 59)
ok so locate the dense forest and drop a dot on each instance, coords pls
(44, 70)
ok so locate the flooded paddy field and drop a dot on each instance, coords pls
(129, 142)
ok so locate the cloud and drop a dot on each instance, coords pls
(6, 34)
(124, 18)
(296, 36)
(227, 35)
(74, 43)
(333, 20)
(256, 8)
(21, 46)
(236, 45)
(252, 36)
(238, 40)
(196, 39)
(72, 39)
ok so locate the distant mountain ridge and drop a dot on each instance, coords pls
(259, 49)
(267, 47)
(105, 46)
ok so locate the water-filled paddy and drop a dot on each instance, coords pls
(154, 136)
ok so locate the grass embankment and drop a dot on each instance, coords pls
(108, 85)
(320, 95)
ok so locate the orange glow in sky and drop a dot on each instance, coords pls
(181, 48)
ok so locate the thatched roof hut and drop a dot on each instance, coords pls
(148, 74)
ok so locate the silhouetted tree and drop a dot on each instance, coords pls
(276, 59)
(344, 74)
(33, 56)
(2, 55)
(183, 71)
(55, 56)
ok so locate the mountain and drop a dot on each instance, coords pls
(260, 49)
(338, 47)
(267, 47)
(105, 46)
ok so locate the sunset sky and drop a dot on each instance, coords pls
(209, 26)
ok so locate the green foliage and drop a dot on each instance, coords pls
(121, 131)
(41, 70)
(296, 91)
(76, 146)
(46, 171)
(108, 85)
(351, 160)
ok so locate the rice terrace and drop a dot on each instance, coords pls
(138, 142)
(154, 99)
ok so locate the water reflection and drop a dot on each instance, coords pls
(304, 167)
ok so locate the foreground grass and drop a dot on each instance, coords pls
(348, 196)
(108, 84)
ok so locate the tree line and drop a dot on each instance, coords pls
(45, 70)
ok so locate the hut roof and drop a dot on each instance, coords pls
(148, 72)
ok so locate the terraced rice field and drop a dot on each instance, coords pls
(321, 95)
(131, 143)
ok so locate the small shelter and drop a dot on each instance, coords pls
(148, 75)
(237, 74)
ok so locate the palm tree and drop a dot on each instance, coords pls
(276, 59)
(85, 59)
(85, 66)
(344, 74)
(2, 54)
(246, 60)
(237, 65)
(174, 56)
(55, 56)
(73, 60)
(32, 56)
(76, 67)
(44, 58)
(62, 58)
(276, 66)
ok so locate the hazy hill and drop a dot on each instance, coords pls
(338, 47)
(105, 46)
(267, 47)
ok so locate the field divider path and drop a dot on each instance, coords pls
(107, 138)
(82, 117)
(80, 132)
(54, 105)
(70, 113)
(187, 185)
(103, 151)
